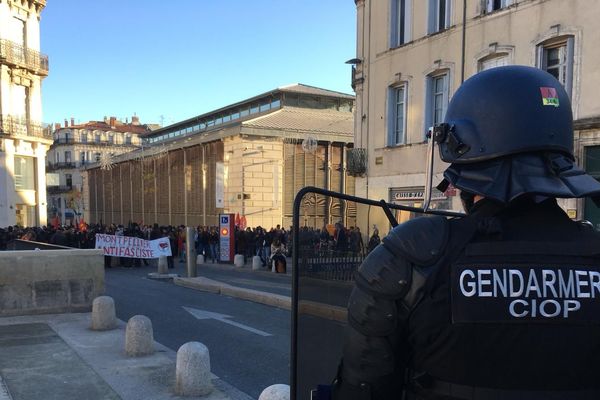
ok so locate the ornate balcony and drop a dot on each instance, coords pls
(17, 126)
(17, 55)
(61, 165)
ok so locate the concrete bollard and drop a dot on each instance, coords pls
(200, 259)
(103, 314)
(256, 263)
(139, 338)
(163, 266)
(192, 370)
(276, 392)
(238, 260)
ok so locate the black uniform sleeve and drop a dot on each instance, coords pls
(374, 354)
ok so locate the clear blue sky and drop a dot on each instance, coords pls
(182, 58)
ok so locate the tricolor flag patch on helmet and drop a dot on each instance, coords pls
(549, 96)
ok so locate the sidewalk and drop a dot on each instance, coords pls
(57, 357)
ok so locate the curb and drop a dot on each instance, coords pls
(212, 286)
(326, 311)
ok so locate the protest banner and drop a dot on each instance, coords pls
(132, 247)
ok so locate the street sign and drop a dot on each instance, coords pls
(226, 237)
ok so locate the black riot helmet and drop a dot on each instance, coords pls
(509, 131)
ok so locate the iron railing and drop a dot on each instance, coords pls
(93, 143)
(64, 141)
(18, 126)
(59, 189)
(61, 165)
(20, 56)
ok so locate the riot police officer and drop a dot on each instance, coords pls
(505, 302)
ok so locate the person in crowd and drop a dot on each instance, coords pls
(374, 240)
(278, 252)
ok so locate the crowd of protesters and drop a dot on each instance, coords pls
(269, 244)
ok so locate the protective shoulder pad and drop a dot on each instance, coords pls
(420, 240)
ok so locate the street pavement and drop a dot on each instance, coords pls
(249, 343)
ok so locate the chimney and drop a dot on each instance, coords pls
(105, 119)
(66, 123)
(135, 120)
(113, 122)
(72, 121)
(57, 126)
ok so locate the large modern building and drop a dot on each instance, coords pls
(78, 145)
(413, 55)
(23, 141)
(249, 158)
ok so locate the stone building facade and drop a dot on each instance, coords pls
(77, 145)
(413, 55)
(23, 140)
(246, 158)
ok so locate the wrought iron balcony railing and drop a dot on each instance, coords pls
(18, 126)
(59, 189)
(61, 165)
(20, 56)
(93, 142)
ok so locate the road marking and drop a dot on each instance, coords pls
(201, 314)
(4, 393)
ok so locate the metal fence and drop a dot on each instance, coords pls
(331, 267)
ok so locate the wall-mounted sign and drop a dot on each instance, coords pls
(414, 194)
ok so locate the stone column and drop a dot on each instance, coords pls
(41, 200)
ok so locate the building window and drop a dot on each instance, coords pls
(439, 15)
(97, 157)
(437, 99)
(69, 180)
(555, 56)
(399, 24)
(84, 137)
(128, 139)
(67, 157)
(493, 5)
(97, 138)
(82, 158)
(111, 139)
(24, 173)
(493, 61)
(397, 115)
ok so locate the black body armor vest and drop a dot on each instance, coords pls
(501, 304)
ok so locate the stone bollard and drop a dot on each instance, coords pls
(192, 370)
(276, 392)
(163, 267)
(103, 314)
(139, 339)
(200, 259)
(238, 260)
(256, 263)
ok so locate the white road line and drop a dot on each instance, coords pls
(201, 314)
